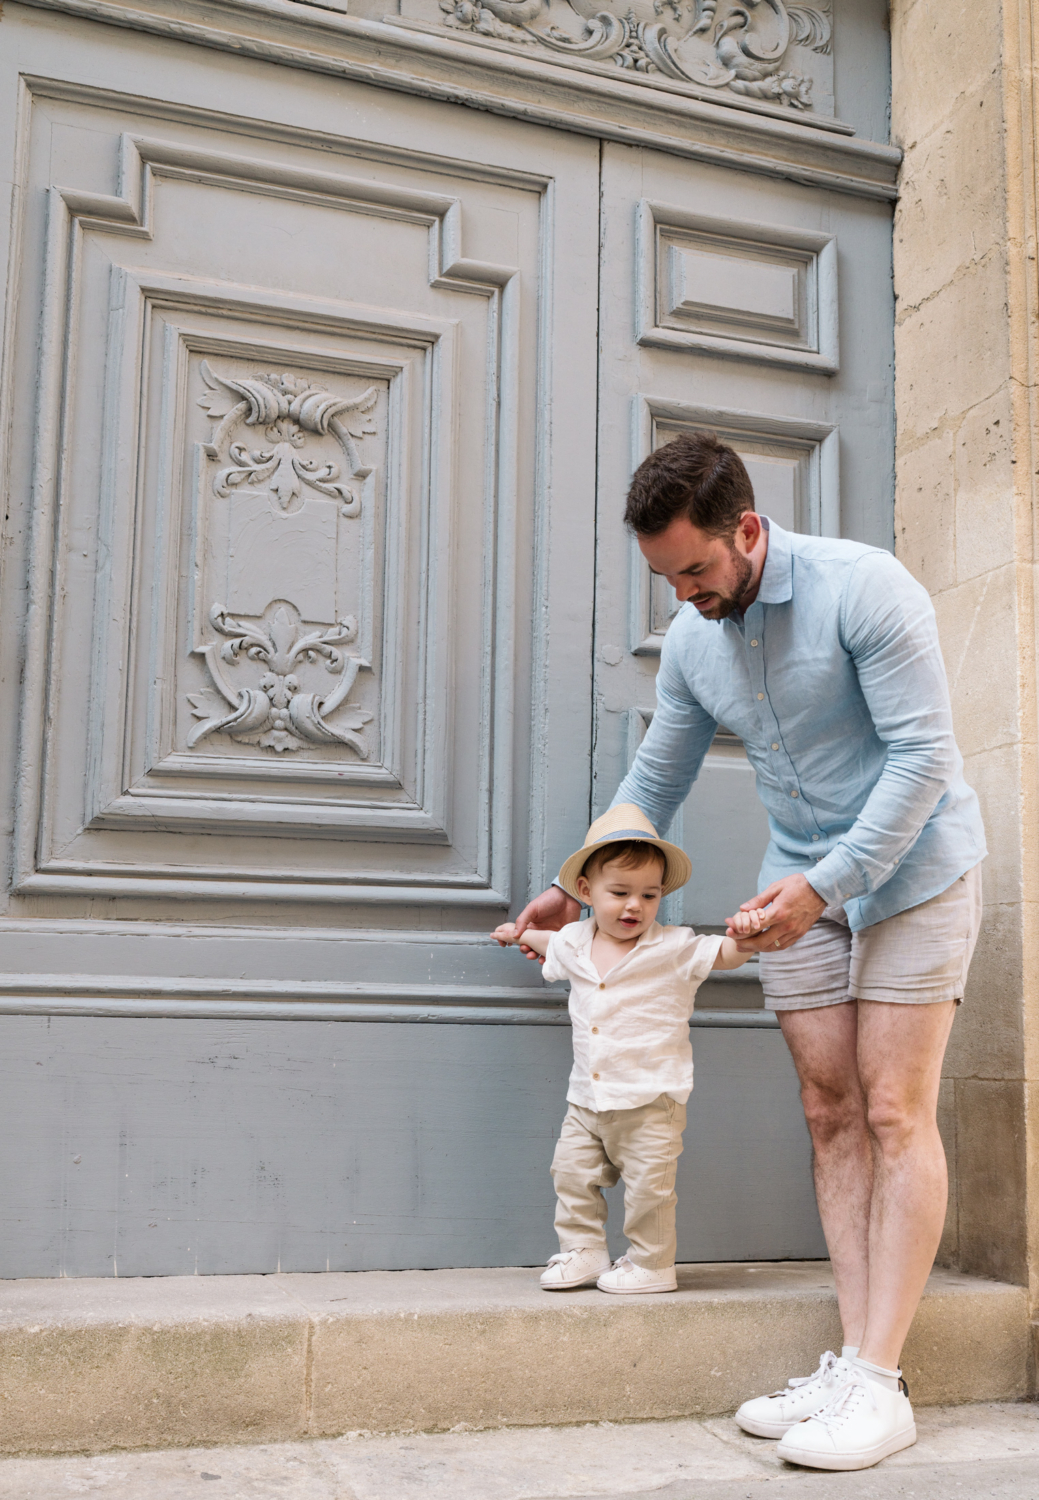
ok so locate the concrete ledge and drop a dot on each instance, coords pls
(101, 1364)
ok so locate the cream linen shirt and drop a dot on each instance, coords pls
(631, 1028)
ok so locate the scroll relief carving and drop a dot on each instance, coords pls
(741, 47)
(276, 709)
(276, 713)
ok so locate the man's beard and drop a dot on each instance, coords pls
(726, 604)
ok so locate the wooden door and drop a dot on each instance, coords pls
(762, 310)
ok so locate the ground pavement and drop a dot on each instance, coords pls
(988, 1452)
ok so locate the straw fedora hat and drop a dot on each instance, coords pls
(620, 825)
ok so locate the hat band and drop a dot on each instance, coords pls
(626, 833)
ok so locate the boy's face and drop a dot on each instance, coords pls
(624, 898)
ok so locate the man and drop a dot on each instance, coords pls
(823, 656)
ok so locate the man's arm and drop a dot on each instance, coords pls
(669, 759)
(666, 764)
(889, 629)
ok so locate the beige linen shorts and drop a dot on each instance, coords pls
(917, 957)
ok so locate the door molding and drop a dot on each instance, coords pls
(588, 99)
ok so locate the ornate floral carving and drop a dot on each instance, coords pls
(276, 713)
(747, 41)
(288, 409)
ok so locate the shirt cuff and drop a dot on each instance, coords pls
(836, 878)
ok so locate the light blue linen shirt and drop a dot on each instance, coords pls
(834, 681)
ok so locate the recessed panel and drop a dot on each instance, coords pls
(764, 292)
(792, 467)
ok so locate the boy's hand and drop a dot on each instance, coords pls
(787, 909)
(506, 934)
(746, 923)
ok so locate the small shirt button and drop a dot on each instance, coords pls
(774, 745)
(795, 794)
(602, 986)
(815, 838)
(760, 696)
(595, 1031)
(753, 643)
(596, 1077)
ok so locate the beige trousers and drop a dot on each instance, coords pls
(594, 1150)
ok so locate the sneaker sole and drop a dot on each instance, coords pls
(864, 1459)
(764, 1429)
(637, 1291)
(569, 1286)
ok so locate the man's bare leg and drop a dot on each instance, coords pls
(824, 1045)
(900, 1053)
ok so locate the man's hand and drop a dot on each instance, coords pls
(788, 908)
(548, 912)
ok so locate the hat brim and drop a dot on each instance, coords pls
(677, 865)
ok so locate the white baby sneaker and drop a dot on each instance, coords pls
(626, 1276)
(772, 1416)
(860, 1424)
(572, 1268)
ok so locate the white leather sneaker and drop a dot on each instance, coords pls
(626, 1276)
(861, 1424)
(572, 1268)
(773, 1416)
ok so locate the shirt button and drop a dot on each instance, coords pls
(596, 1077)
(774, 745)
(602, 986)
(795, 794)
(760, 696)
(815, 838)
(753, 643)
(595, 1031)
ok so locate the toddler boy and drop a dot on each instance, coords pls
(632, 984)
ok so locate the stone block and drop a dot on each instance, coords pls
(987, 1036)
(963, 1349)
(991, 1173)
(977, 625)
(952, 352)
(940, 51)
(952, 197)
(996, 777)
(949, 1247)
(89, 1365)
(156, 1362)
(984, 488)
(925, 511)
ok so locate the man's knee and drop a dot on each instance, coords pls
(831, 1111)
(894, 1119)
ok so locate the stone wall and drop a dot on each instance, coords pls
(965, 271)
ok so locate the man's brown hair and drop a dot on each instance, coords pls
(630, 854)
(694, 475)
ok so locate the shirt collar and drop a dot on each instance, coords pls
(777, 576)
(581, 942)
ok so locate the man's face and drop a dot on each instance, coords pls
(713, 573)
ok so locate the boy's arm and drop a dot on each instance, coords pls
(729, 956)
(507, 934)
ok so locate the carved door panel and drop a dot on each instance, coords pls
(762, 310)
(290, 469)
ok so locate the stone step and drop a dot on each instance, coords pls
(174, 1362)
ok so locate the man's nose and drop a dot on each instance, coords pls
(685, 588)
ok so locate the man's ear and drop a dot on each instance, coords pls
(749, 530)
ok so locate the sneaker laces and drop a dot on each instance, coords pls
(843, 1403)
(827, 1364)
(824, 1375)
